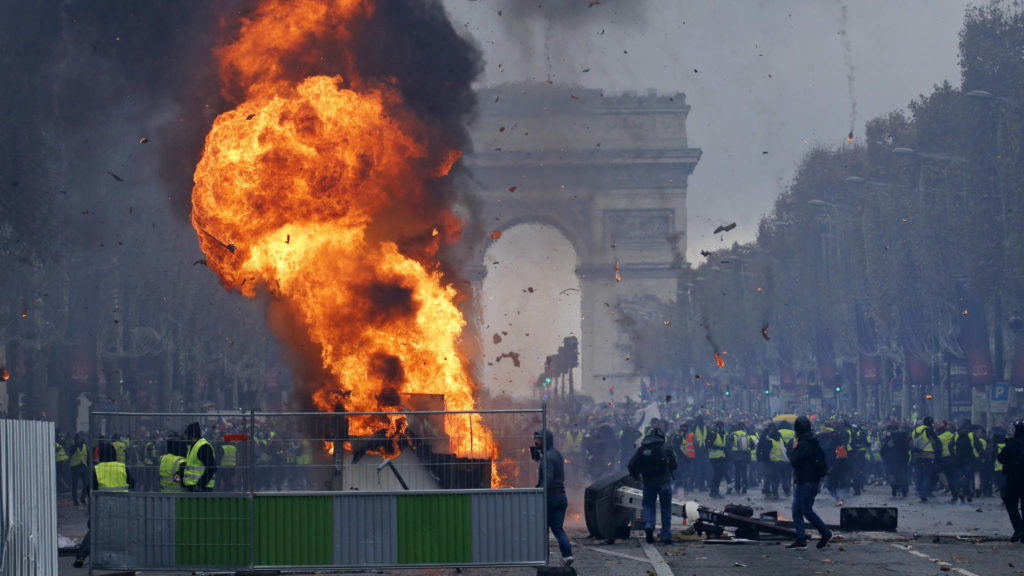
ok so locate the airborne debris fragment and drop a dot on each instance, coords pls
(496, 234)
(511, 188)
(250, 116)
(725, 228)
(200, 261)
(705, 253)
(764, 332)
(143, 140)
(116, 177)
(618, 277)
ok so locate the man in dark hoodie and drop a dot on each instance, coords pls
(551, 473)
(809, 467)
(1012, 459)
(654, 463)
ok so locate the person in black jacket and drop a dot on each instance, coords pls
(1012, 459)
(809, 467)
(654, 463)
(551, 473)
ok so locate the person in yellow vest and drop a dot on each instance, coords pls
(924, 449)
(79, 462)
(948, 469)
(63, 468)
(172, 466)
(200, 462)
(108, 475)
(228, 462)
(121, 447)
(716, 455)
(965, 450)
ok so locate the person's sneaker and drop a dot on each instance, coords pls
(567, 561)
(797, 546)
(650, 535)
(824, 540)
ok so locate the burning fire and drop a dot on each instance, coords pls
(719, 360)
(301, 192)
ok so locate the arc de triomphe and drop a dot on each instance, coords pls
(609, 173)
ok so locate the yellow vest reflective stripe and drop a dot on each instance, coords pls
(999, 448)
(169, 464)
(62, 456)
(112, 476)
(194, 467)
(230, 455)
(80, 455)
(778, 451)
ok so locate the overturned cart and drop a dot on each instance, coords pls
(611, 506)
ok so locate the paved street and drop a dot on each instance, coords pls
(968, 541)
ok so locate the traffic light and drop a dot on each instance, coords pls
(727, 393)
(838, 388)
(547, 380)
(767, 391)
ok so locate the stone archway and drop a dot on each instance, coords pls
(610, 173)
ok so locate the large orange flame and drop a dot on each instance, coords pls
(296, 194)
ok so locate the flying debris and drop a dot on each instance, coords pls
(496, 234)
(618, 277)
(116, 177)
(725, 228)
(250, 116)
(514, 356)
(229, 247)
(143, 140)
(764, 332)
(200, 261)
(705, 253)
(850, 137)
(511, 188)
(567, 290)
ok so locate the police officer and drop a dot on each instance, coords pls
(654, 463)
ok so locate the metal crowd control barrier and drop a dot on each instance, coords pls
(453, 489)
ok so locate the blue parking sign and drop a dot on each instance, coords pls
(1000, 392)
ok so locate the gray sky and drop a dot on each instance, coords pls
(767, 80)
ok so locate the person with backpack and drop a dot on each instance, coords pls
(809, 467)
(653, 462)
(925, 448)
(738, 448)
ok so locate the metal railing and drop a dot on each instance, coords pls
(326, 490)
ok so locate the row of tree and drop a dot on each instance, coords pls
(903, 250)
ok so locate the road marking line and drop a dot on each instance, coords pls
(906, 548)
(614, 553)
(660, 566)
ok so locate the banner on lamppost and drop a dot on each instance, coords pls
(825, 353)
(867, 343)
(974, 334)
(911, 326)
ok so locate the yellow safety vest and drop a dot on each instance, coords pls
(717, 448)
(169, 464)
(112, 476)
(62, 456)
(80, 456)
(121, 450)
(945, 438)
(999, 448)
(778, 450)
(305, 457)
(230, 456)
(194, 467)
(920, 441)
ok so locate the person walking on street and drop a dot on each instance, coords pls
(654, 463)
(716, 455)
(809, 467)
(79, 461)
(925, 447)
(551, 472)
(1012, 459)
(200, 463)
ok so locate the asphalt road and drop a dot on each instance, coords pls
(971, 540)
